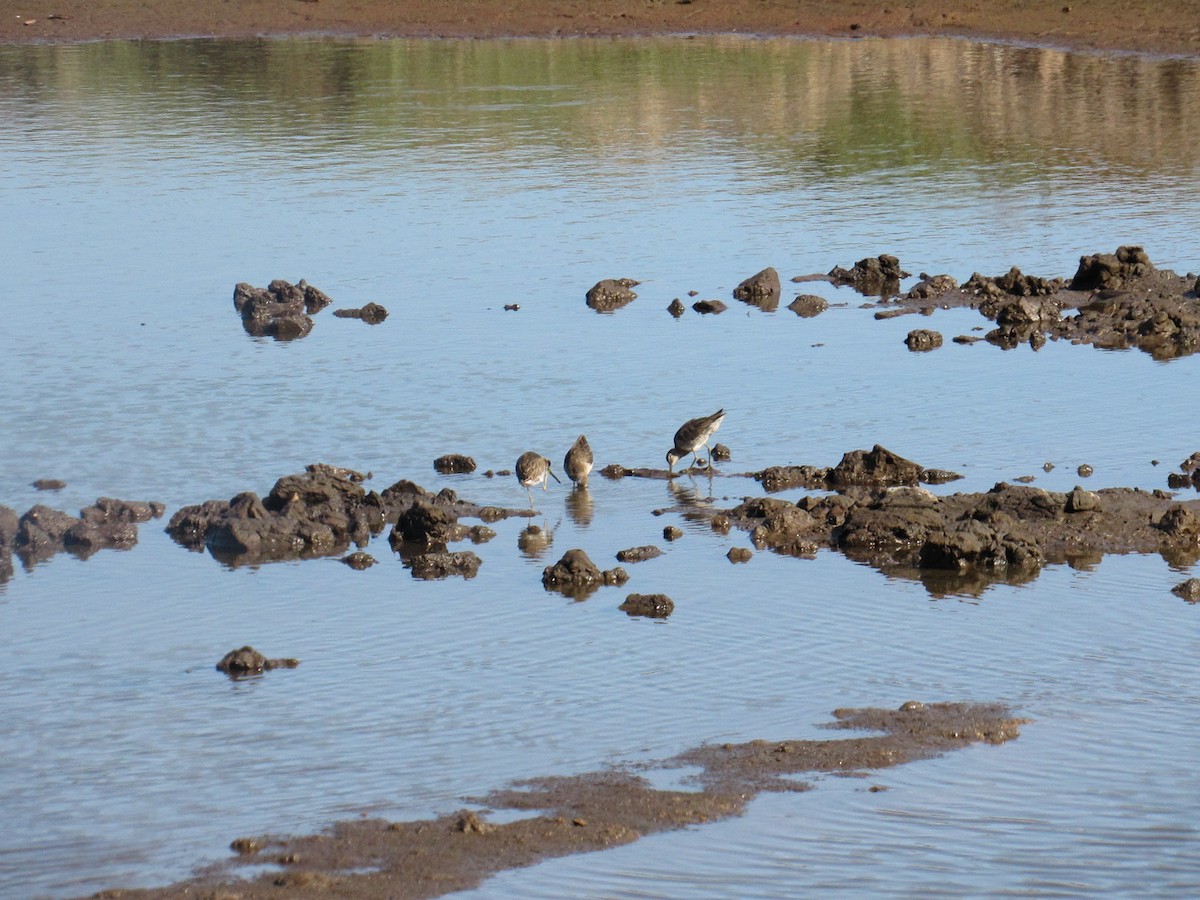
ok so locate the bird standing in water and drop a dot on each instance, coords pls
(692, 435)
(531, 469)
(578, 462)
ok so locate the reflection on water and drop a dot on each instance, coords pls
(446, 180)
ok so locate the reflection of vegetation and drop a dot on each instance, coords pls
(837, 106)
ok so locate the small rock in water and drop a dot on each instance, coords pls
(1189, 590)
(358, 560)
(922, 340)
(248, 661)
(1085, 471)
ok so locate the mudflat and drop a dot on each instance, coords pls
(1131, 25)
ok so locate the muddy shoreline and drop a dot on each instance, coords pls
(1171, 29)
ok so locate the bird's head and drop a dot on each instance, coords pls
(673, 456)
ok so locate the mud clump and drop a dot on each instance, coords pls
(454, 464)
(247, 661)
(638, 554)
(443, 564)
(930, 287)
(873, 277)
(709, 307)
(575, 575)
(1189, 590)
(358, 560)
(653, 606)
(49, 484)
(281, 310)
(922, 340)
(372, 313)
(586, 812)
(877, 467)
(808, 306)
(761, 290)
(611, 294)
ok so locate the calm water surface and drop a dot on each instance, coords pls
(445, 180)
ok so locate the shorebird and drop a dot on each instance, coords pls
(692, 435)
(578, 462)
(533, 468)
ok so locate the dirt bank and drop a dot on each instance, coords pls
(1172, 28)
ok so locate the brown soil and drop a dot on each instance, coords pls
(1142, 25)
(581, 813)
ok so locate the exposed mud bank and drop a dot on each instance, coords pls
(1161, 27)
(960, 542)
(580, 813)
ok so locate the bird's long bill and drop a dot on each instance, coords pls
(552, 475)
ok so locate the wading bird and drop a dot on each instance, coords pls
(692, 435)
(578, 462)
(533, 468)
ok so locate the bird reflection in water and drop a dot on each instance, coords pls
(535, 540)
(581, 507)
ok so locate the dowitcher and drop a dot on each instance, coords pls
(578, 462)
(533, 468)
(692, 435)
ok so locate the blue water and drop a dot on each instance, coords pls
(445, 180)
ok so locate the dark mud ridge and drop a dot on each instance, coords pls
(960, 542)
(580, 813)
(324, 510)
(42, 532)
(1114, 301)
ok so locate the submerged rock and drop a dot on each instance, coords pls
(575, 575)
(248, 661)
(705, 307)
(808, 306)
(656, 606)
(42, 532)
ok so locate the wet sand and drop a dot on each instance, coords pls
(1095, 24)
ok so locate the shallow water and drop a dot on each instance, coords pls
(445, 180)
